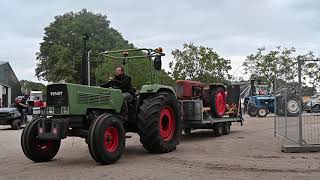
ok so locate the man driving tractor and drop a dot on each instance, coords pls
(123, 82)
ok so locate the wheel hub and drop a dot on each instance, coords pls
(111, 139)
(167, 123)
(293, 106)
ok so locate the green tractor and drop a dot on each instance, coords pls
(98, 115)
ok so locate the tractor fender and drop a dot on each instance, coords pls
(155, 88)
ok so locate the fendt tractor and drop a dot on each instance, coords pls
(99, 116)
(211, 106)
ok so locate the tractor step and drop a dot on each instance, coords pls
(127, 136)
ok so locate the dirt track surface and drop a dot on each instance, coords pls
(249, 152)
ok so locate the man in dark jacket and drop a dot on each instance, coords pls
(123, 82)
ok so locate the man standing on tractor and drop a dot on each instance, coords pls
(123, 82)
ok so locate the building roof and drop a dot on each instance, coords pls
(3, 62)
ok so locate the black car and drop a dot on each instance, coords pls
(11, 116)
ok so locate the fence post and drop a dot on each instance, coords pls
(275, 105)
(285, 112)
(300, 105)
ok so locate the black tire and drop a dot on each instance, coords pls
(106, 139)
(16, 124)
(262, 112)
(315, 108)
(252, 111)
(226, 128)
(154, 138)
(216, 112)
(187, 131)
(36, 149)
(218, 129)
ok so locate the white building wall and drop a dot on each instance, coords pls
(9, 97)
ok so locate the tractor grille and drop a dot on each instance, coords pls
(57, 99)
(88, 98)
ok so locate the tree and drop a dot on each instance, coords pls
(282, 63)
(30, 85)
(199, 63)
(59, 58)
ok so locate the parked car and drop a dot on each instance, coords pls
(11, 116)
(313, 104)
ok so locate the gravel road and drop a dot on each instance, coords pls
(249, 152)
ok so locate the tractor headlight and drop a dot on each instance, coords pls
(64, 110)
(50, 110)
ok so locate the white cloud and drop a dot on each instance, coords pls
(232, 28)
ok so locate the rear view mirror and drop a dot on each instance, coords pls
(157, 63)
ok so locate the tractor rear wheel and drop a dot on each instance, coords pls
(35, 149)
(106, 139)
(252, 111)
(218, 106)
(293, 107)
(159, 123)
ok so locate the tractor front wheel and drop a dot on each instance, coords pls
(106, 139)
(36, 149)
(262, 112)
(159, 123)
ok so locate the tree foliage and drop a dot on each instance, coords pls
(282, 63)
(59, 58)
(199, 63)
(32, 86)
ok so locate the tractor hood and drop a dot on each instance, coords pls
(8, 110)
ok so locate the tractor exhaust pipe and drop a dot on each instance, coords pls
(84, 63)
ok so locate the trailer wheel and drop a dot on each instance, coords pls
(187, 131)
(218, 129)
(262, 112)
(226, 128)
(106, 139)
(16, 124)
(159, 123)
(218, 105)
(35, 149)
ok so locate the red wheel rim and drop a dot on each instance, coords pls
(221, 103)
(167, 123)
(111, 139)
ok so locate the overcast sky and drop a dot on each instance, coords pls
(233, 28)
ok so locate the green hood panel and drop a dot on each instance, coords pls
(82, 97)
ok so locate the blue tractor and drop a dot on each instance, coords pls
(260, 105)
(261, 101)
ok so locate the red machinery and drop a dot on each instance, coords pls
(207, 106)
(213, 95)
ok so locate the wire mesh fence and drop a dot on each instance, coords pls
(297, 116)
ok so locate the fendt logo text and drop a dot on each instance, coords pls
(59, 93)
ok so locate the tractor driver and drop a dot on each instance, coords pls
(123, 82)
